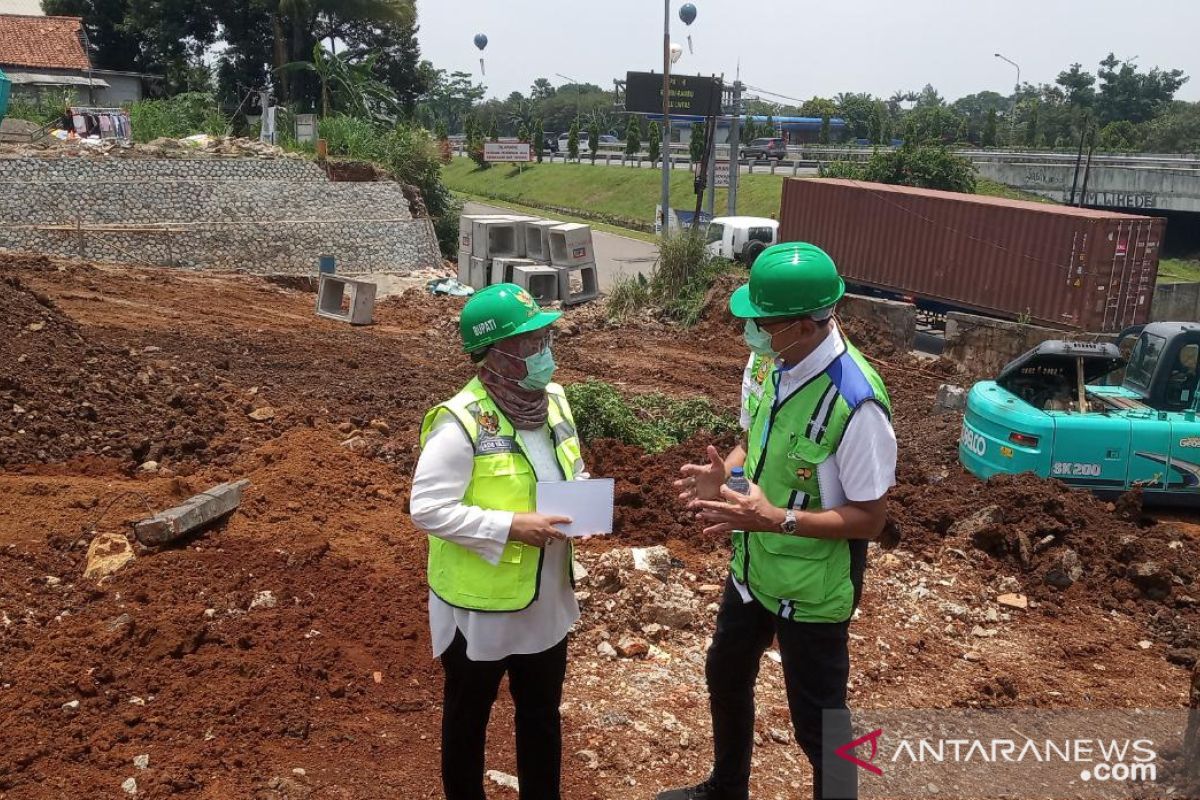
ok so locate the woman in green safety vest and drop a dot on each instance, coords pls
(501, 594)
(820, 456)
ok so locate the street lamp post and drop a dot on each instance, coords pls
(1012, 136)
(666, 128)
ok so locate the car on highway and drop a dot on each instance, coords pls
(584, 142)
(765, 149)
(549, 142)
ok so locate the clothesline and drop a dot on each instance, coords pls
(100, 123)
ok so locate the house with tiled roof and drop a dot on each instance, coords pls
(49, 56)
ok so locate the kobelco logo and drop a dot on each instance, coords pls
(972, 441)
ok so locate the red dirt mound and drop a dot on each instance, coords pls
(63, 395)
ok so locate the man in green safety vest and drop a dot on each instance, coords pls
(820, 457)
(501, 596)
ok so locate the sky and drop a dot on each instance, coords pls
(801, 49)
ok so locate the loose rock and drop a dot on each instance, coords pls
(107, 553)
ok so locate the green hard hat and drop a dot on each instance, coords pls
(499, 312)
(788, 280)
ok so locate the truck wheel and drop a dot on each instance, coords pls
(751, 252)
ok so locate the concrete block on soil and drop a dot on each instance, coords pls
(950, 398)
(332, 303)
(194, 514)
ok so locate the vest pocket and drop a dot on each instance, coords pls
(791, 567)
(803, 450)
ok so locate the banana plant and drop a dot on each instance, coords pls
(348, 85)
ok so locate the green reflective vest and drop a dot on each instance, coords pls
(798, 577)
(502, 479)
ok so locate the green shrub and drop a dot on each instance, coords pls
(42, 108)
(409, 153)
(176, 117)
(628, 295)
(852, 170)
(652, 422)
(677, 285)
(923, 166)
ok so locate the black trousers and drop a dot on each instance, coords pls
(536, 682)
(816, 665)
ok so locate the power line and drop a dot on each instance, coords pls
(775, 94)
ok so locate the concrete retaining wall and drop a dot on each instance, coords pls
(257, 214)
(1176, 302)
(983, 346)
(890, 319)
(116, 168)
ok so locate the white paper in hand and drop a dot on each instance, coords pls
(588, 503)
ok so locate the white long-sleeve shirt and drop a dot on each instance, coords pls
(439, 485)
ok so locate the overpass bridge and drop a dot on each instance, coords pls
(1138, 184)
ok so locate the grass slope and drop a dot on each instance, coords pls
(623, 195)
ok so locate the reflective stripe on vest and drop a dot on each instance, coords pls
(799, 577)
(502, 479)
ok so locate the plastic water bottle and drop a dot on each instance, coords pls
(738, 481)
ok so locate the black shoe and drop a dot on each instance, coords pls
(704, 791)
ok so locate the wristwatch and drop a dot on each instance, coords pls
(789, 522)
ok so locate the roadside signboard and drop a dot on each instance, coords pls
(691, 95)
(506, 151)
(722, 181)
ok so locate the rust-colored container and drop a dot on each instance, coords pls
(1053, 265)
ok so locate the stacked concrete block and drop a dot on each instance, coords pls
(574, 255)
(502, 268)
(578, 284)
(537, 239)
(553, 260)
(571, 245)
(541, 281)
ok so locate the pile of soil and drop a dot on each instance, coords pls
(65, 394)
(206, 655)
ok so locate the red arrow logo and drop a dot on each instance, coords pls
(846, 751)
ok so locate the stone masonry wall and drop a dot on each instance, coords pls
(257, 214)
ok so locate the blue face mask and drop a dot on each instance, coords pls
(539, 369)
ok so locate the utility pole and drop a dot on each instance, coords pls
(666, 128)
(712, 149)
(735, 132)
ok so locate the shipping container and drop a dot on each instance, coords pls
(1054, 265)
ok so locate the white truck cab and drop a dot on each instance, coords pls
(741, 238)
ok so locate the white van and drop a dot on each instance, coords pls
(563, 138)
(741, 238)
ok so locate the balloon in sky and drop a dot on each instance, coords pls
(687, 13)
(481, 42)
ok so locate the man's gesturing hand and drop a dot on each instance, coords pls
(702, 481)
(536, 529)
(738, 512)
